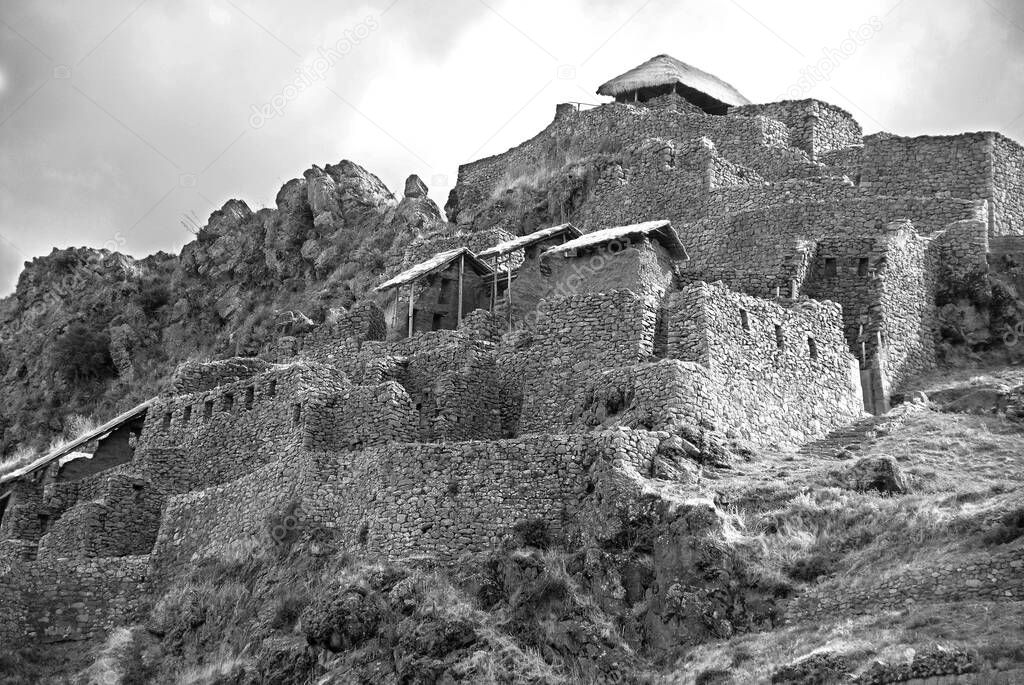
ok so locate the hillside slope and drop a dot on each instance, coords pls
(89, 332)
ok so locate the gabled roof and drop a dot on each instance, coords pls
(660, 230)
(664, 70)
(99, 432)
(530, 239)
(438, 262)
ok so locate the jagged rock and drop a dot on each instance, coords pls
(321, 193)
(415, 187)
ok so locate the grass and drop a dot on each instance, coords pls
(532, 177)
(793, 522)
(228, 616)
(20, 457)
(992, 629)
(75, 426)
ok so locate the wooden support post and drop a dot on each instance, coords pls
(410, 309)
(792, 289)
(398, 302)
(494, 285)
(508, 289)
(462, 272)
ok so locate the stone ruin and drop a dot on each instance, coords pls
(758, 273)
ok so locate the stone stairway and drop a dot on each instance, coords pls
(852, 435)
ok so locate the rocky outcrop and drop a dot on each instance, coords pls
(323, 245)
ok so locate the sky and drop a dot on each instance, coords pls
(124, 124)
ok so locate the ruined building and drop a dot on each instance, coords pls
(752, 272)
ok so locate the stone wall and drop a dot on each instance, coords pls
(572, 337)
(960, 255)
(343, 333)
(236, 515)
(403, 498)
(982, 165)
(107, 515)
(776, 373)
(643, 267)
(450, 379)
(885, 282)
(201, 439)
(55, 601)
(1007, 186)
(193, 377)
(907, 308)
(815, 127)
(993, 577)
(760, 250)
(758, 142)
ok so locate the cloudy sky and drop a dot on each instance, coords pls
(125, 122)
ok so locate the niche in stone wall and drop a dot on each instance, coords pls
(812, 347)
(186, 413)
(207, 410)
(229, 402)
(272, 388)
(830, 267)
(166, 425)
(296, 413)
(250, 397)
(611, 405)
(862, 266)
(780, 340)
(744, 320)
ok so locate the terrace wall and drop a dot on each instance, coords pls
(755, 142)
(760, 250)
(815, 127)
(404, 498)
(986, 166)
(56, 600)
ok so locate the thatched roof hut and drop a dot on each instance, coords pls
(664, 74)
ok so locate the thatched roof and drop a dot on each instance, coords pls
(524, 241)
(660, 230)
(665, 70)
(65, 449)
(438, 262)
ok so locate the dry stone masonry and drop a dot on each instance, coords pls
(789, 282)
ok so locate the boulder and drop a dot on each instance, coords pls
(881, 474)
(415, 187)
